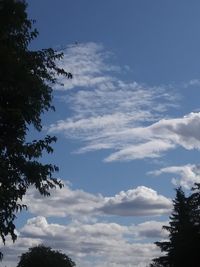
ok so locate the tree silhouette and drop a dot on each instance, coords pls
(194, 203)
(182, 248)
(42, 256)
(26, 79)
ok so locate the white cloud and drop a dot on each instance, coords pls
(135, 142)
(105, 109)
(63, 202)
(150, 229)
(100, 244)
(183, 131)
(141, 201)
(87, 64)
(187, 175)
(94, 241)
(193, 82)
(151, 141)
(137, 202)
(148, 149)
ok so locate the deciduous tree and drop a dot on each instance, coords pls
(26, 79)
(42, 256)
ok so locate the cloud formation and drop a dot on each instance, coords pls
(140, 201)
(87, 237)
(63, 202)
(186, 175)
(87, 63)
(136, 142)
(105, 109)
(151, 141)
(102, 244)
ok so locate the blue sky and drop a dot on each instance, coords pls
(128, 127)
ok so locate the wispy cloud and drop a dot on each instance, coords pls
(140, 201)
(87, 64)
(186, 175)
(159, 137)
(105, 244)
(137, 142)
(193, 82)
(105, 108)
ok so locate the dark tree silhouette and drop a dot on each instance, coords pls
(42, 256)
(26, 78)
(194, 203)
(184, 236)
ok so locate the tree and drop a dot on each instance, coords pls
(184, 236)
(194, 203)
(42, 256)
(26, 79)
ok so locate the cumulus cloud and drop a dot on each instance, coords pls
(187, 175)
(105, 108)
(140, 201)
(62, 203)
(150, 229)
(102, 244)
(137, 202)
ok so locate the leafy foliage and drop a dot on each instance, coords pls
(184, 232)
(26, 79)
(42, 256)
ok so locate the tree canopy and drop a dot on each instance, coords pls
(42, 256)
(182, 248)
(26, 79)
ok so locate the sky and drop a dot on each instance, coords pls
(128, 128)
